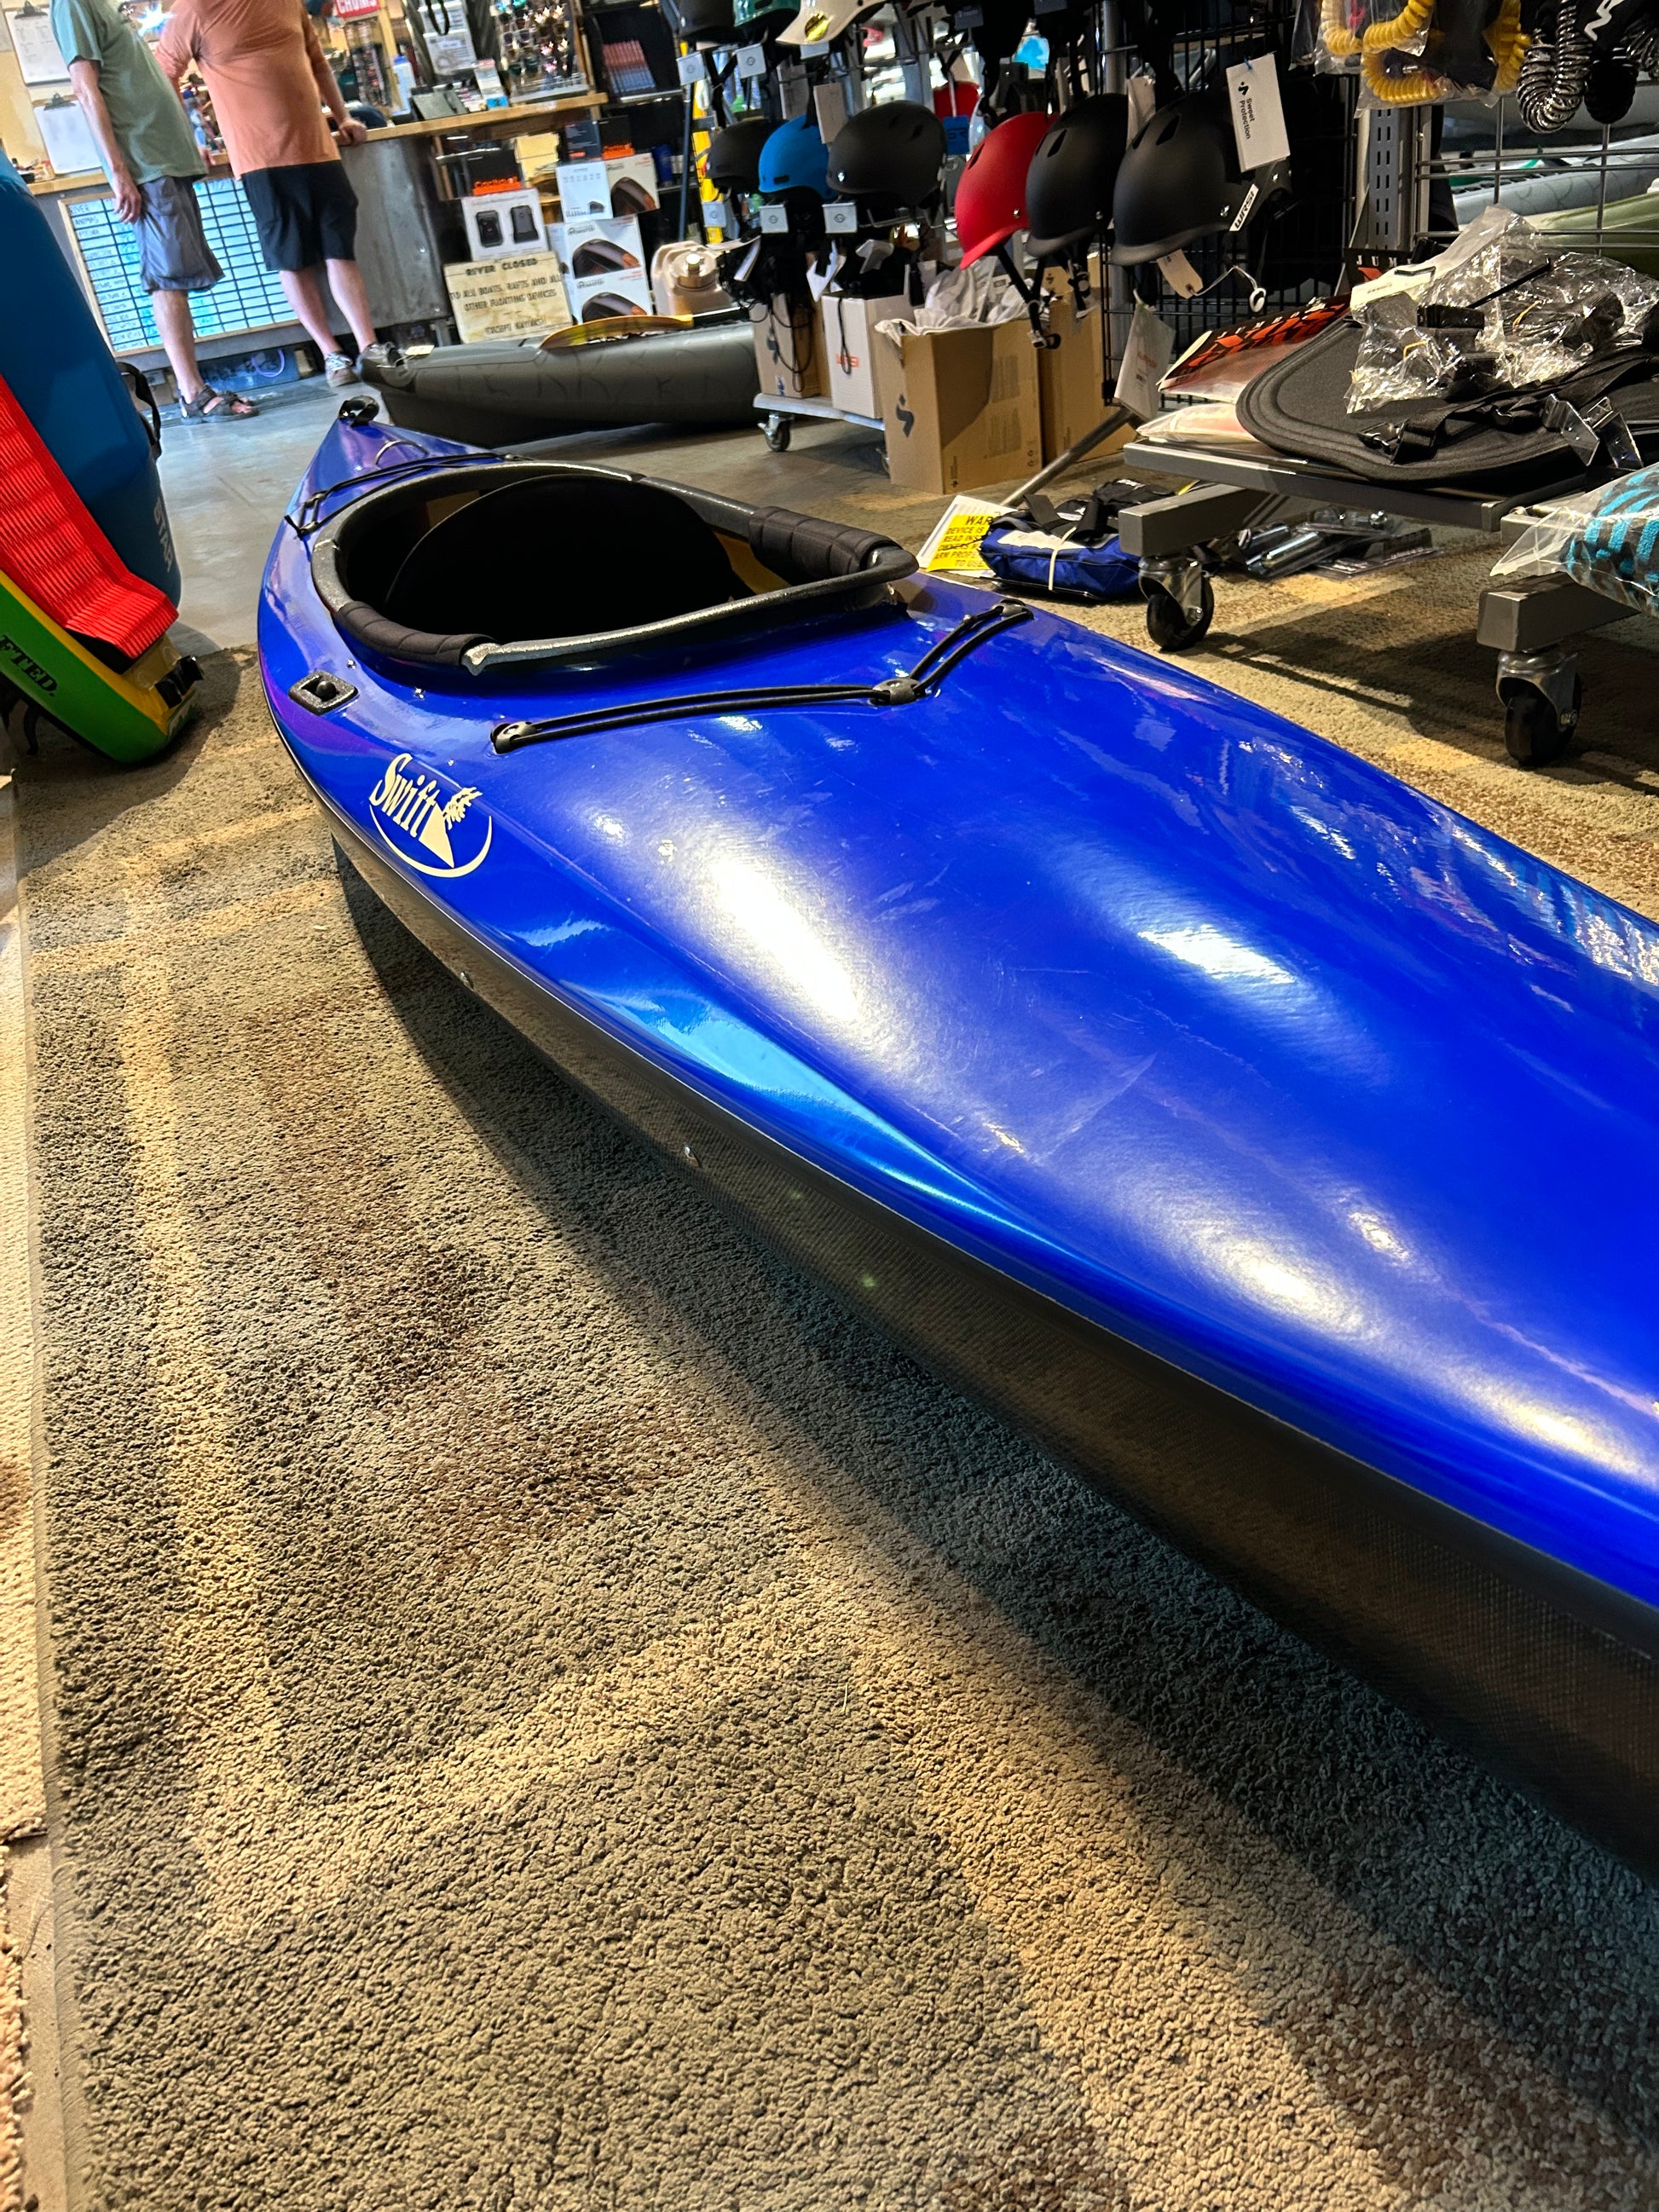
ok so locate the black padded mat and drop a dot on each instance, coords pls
(1301, 407)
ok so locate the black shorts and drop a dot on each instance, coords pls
(304, 215)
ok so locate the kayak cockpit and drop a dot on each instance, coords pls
(515, 564)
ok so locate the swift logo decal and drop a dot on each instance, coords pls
(426, 824)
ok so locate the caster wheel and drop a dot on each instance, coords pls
(1534, 732)
(1170, 628)
(778, 428)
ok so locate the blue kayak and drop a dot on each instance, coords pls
(1274, 1144)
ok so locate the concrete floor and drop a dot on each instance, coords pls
(227, 484)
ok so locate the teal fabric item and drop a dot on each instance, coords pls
(1615, 550)
(145, 113)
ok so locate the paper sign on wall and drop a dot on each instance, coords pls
(1258, 112)
(38, 58)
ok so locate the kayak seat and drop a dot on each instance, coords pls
(506, 564)
(561, 557)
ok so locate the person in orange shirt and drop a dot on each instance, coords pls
(269, 83)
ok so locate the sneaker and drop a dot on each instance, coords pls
(340, 370)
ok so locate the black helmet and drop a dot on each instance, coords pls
(704, 22)
(1068, 187)
(733, 162)
(889, 156)
(1181, 179)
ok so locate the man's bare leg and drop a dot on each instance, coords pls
(345, 280)
(178, 335)
(304, 288)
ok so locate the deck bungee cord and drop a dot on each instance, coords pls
(943, 655)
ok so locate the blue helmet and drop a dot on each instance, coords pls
(795, 156)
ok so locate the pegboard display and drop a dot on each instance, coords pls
(250, 297)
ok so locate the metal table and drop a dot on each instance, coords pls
(1528, 622)
(775, 412)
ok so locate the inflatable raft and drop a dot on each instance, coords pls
(510, 392)
(1276, 1146)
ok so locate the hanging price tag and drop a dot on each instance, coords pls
(840, 216)
(1179, 274)
(1258, 112)
(774, 220)
(692, 71)
(751, 61)
(1146, 358)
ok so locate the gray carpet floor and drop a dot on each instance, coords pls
(551, 1713)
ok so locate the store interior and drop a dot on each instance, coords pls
(825, 1048)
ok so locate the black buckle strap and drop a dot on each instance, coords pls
(943, 655)
(1576, 404)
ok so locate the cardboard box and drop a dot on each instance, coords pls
(584, 189)
(520, 297)
(632, 182)
(598, 245)
(609, 292)
(849, 350)
(503, 223)
(961, 407)
(621, 185)
(789, 351)
(1069, 375)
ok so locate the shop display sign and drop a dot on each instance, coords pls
(348, 11)
(521, 297)
(452, 51)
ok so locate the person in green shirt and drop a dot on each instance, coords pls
(150, 155)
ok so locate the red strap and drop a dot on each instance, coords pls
(53, 550)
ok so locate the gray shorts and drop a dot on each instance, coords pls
(173, 254)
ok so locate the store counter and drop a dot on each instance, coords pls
(396, 178)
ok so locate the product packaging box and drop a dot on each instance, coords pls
(621, 185)
(961, 407)
(604, 266)
(595, 299)
(1069, 375)
(849, 350)
(789, 351)
(503, 223)
(522, 296)
(598, 245)
(584, 189)
(631, 179)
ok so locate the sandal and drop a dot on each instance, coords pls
(212, 406)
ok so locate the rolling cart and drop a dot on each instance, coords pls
(1530, 621)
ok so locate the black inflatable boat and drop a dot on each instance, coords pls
(505, 391)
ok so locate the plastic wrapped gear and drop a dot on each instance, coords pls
(1430, 50)
(1607, 540)
(1507, 315)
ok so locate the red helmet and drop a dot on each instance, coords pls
(991, 196)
